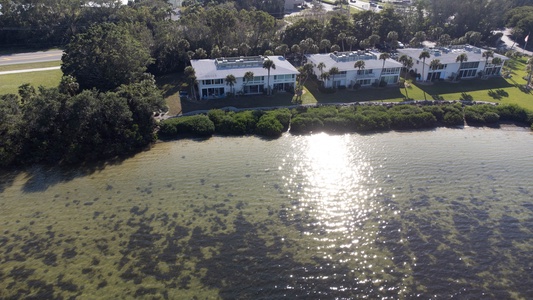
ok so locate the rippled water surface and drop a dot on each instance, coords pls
(400, 215)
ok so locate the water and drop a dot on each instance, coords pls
(432, 215)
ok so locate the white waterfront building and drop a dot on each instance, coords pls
(211, 76)
(373, 71)
(475, 66)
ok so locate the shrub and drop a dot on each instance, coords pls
(473, 117)
(453, 118)
(216, 115)
(301, 124)
(230, 126)
(491, 117)
(269, 126)
(199, 125)
(338, 124)
(434, 110)
(283, 115)
(513, 113)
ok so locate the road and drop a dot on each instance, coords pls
(30, 57)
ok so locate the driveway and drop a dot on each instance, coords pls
(510, 43)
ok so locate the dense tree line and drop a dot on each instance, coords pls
(59, 125)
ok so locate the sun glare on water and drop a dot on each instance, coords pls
(331, 184)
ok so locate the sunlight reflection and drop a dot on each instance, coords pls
(332, 183)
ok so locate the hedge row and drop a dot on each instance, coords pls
(340, 119)
(271, 124)
(490, 114)
(375, 118)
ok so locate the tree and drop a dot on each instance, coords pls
(325, 44)
(434, 65)
(341, 37)
(373, 40)
(351, 41)
(324, 77)
(244, 49)
(392, 37)
(444, 40)
(417, 40)
(68, 85)
(282, 49)
(269, 64)
(305, 71)
(487, 54)
(423, 55)
(144, 99)
(383, 56)
(360, 64)
(248, 76)
(407, 63)
(473, 37)
(335, 48)
(105, 57)
(231, 80)
(321, 66)
(215, 52)
(461, 58)
(332, 72)
(190, 78)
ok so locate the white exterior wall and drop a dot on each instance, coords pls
(351, 77)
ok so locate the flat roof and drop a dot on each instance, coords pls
(448, 55)
(238, 66)
(345, 60)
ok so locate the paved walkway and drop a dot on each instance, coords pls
(29, 70)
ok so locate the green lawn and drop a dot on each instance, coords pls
(498, 90)
(9, 83)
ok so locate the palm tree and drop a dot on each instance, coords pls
(190, 75)
(487, 54)
(332, 72)
(321, 66)
(434, 65)
(461, 58)
(351, 40)
(281, 49)
(248, 76)
(231, 80)
(383, 56)
(392, 37)
(373, 40)
(305, 71)
(407, 63)
(360, 64)
(325, 44)
(496, 61)
(425, 54)
(341, 38)
(268, 64)
(324, 76)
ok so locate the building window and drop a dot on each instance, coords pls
(364, 72)
(211, 93)
(213, 81)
